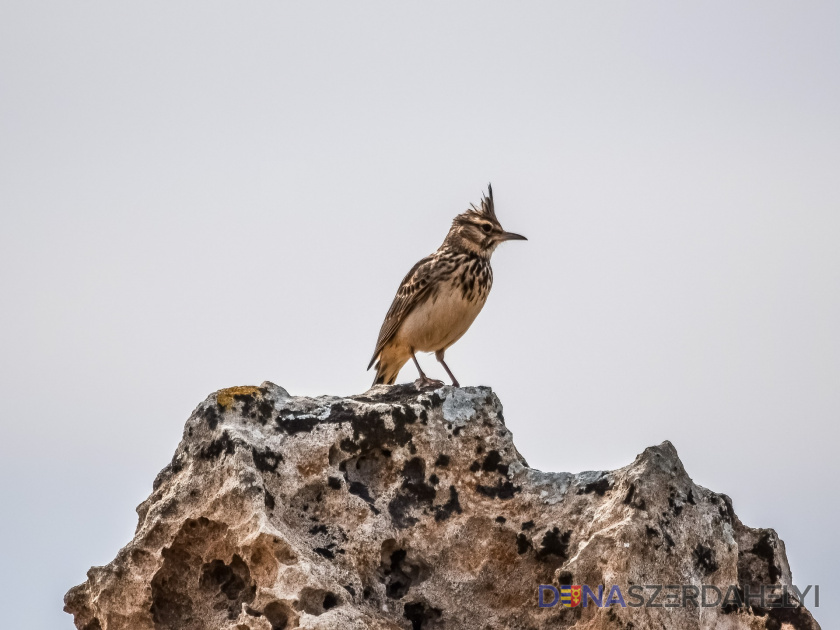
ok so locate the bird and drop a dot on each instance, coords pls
(441, 296)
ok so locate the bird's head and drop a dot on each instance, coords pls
(478, 230)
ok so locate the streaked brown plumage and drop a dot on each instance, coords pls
(441, 296)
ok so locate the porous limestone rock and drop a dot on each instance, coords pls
(406, 509)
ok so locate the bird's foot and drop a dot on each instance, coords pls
(425, 381)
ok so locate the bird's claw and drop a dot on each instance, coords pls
(425, 381)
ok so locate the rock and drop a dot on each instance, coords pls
(414, 510)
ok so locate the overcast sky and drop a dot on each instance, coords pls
(196, 195)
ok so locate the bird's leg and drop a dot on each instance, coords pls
(424, 381)
(439, 356)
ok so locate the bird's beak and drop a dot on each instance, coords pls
(510, 236)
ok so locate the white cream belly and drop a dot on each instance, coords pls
(438, 323)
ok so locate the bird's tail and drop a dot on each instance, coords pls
(386, 374)
(387, 371)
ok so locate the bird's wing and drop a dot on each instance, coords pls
(415, 287)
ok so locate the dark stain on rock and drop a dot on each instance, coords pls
(599, 487)
(527, 525)
(554, 545)
(522, 544)
(765, 549)
(414, 492)
(299, 421)
(370, 431)
(493, 462)
(323, 551)
(265, 409)
(501, 519)
(210, 414)
(442, 461)
(565, 578)
(247, 401)
(404, 414)
(296, 422)
(221, 445)
(256, 405)
(443, 512)
(334, 483)
(266, 461)
(475, 467)
(502, 490)
(704, 559)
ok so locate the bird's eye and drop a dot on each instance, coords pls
(486, 227)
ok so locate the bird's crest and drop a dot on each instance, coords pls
(487, 207)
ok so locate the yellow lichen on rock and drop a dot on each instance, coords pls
(225, 396)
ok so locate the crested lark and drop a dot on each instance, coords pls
(442, 294)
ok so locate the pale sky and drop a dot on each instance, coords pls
(196, 195)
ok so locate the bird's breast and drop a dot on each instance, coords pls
(448, 312)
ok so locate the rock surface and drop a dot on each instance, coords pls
(400, 509)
